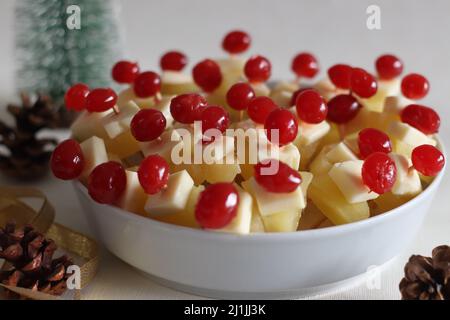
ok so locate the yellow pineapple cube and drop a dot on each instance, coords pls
(223, 172)
(176, 82)
(282, 221)
(134, 197)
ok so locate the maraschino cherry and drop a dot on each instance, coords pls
(428, 160)
(259, 109)
(148, 125)
(125, 71)
(415, 86)
(207, 75)
(217, 205)
(379, 172)
(284, 179)
(215, 117)
(372, 140)
(239, 96)
(283, 123)
(101, 99)
(107, 182)
(257, 69)
(187, 108)
(75, 97)
(173, 61)
(422, 118)
(147, 84)
(363, 83)
(343, 108)
(340, 75)
(67, 161)
(153, 174)
(236, 42)
(305, 65)
(311, 107)
(388, 67)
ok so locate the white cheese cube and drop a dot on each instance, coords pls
(340, 153)
(288, 154)
(351, 142)
(282, 221)
(163, 145)
(385, 89)
(89, 124)
(407, 181)
(115, 124)
(396, 103)
(242, 221)
(347, 177)
(128, 95)
(134, 197)
(306, 181)
(173, 198)
(321, 164)
(260, 89)
(270, 202)
(216, 151)
(94, 152)
(164, 106)
(309, 133)
(410, 135)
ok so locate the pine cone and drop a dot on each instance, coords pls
(30, 261)
(28, 156)
(427, 278)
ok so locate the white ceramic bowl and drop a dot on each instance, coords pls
(258, 265)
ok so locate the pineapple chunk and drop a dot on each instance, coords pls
(385, 89)
(332, 137)
(409, 135)
(216, 151)
(282, 221)
(321, 164)
(270, 203)
(124, 145)
(311, 133)
(134, 197)
(364, 119)
(340, 153)
(128, 95)
(288, 154)
(241, 223)
(115, 124)
(331, 202)
(407, 181)
(94, 152)
(174, 198)
(347, 177)
(221, 172)
(89, 124)
(175, 82)
(307, 154)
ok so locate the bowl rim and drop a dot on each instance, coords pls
(276, 236)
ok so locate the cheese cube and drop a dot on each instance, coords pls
(395, 104)
(331, 202)
(347, 177)
(115, 124)
(216, 151)
(409, 135)
(288, 154)
(124, 145)
(174, 198)
(351, 141)
(310, 133)
(163, 145)
(176, 82)
(241, 223)
(307, 154)
(260, 89)
(385, 89)
(89, 124)
(365, 118)
(340, 153)
(307, 178)
(223, 172)
(327, 89)
(321, 165)
(407, 181)
(134, 197)
(270, 202)
(94, 152)
(282, 221)
(128, 95)
(282, 93)
(163, 105)
(332, 137)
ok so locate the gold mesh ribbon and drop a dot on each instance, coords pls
(13, 208)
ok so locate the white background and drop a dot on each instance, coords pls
(418, 31)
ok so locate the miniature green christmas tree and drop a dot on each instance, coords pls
(61, 42)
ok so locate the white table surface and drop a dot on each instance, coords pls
(335, 30)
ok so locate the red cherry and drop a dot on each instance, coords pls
(207, 75)
(305, 65)
(283, 180)
(415, 86)
(379, 172)
(217, 205)
(296, 94)
(100, 100)
(343, 108)
(147, 84)
(240, 95)
(107, 182)
(340, 75)
(286, 125)
(75, 97)
(388, 67)
(363, 83)
(148, 124)
(422, 118)
(311, 107)
(372, 140)
(153, 174)
(236, 42)
(257, 69)
(428, 160)
(259, 109)
(215, 117)
(125, 71)
(173, 61)
(67, 161)
(187, 108)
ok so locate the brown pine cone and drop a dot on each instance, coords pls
(427, 278)
(30, 262)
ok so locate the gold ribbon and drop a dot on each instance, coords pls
(13, 208)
